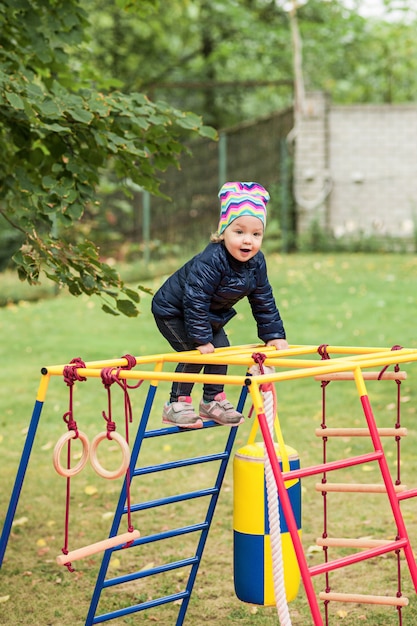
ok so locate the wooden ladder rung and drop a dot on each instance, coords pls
(360, 432)
(367, 375)
(357, 487)
(359, 598)
(346, 542)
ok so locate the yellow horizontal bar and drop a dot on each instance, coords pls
(243, 355)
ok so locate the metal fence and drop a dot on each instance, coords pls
(249, 152)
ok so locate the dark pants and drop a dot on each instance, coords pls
(173, 330)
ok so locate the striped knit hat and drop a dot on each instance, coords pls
(238, 199)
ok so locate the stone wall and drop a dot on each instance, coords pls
(355, 170)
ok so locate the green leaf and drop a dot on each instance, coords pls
(15, 100)
(49, 108)
(108, 309)
(127, 308)
(130, 293)
(56, 128)
(81, 115)
(209, 132)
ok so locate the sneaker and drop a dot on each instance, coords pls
(181, 413)
(220, 411)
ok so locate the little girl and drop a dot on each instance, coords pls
(196, 302)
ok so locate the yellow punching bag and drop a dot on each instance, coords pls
(253, 570)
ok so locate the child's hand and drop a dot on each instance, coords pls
(280, 344)
(206, 349)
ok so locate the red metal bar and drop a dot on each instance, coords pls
(404, 495)
(332, 465)
(357, 557)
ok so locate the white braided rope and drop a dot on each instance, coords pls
(274, 521)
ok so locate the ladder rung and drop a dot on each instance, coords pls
(173, 532)
(357, 487)
(345, 542)
(357, 557)
(359, 598)
(150, 469)
(181, 497)
(366, 375)
(166, 567)
(359, 432)
(333, 465)
(411, 493)
(149, 604)
(176, 430)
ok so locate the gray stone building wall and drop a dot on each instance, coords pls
(356, 168)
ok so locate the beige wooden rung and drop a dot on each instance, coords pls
(360, 432)
(99, 546)
(357, 487)
(367, 375)
(359, 598)
(347, 542)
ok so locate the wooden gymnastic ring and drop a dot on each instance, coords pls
(125, 452)
(71, 471)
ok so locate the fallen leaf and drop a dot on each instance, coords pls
(48, 445)
(21, 521)
(41, 543)
(342, 613)
(4, 599)
(313, 549)
(114, 563)
(90, 490)
(147, 566)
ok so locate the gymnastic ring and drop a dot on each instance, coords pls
(71, 471)
(125, 452)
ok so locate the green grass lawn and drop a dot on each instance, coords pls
(340, 300)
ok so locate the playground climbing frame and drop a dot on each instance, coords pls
(296, 363)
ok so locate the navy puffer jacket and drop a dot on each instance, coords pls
(205, 289)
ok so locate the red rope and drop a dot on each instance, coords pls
(396, 347)
(71, 375)
(322, 350)
(110, 376)
(259, 358)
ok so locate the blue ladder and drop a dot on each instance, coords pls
(202, 528)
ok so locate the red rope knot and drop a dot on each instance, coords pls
(130, 529)
(259, 358)
(68, 565)
(131, 361)
(322, 350)
(107, 376)
(70, 422)
(70, 371)
(111, 427)
(396, 367)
